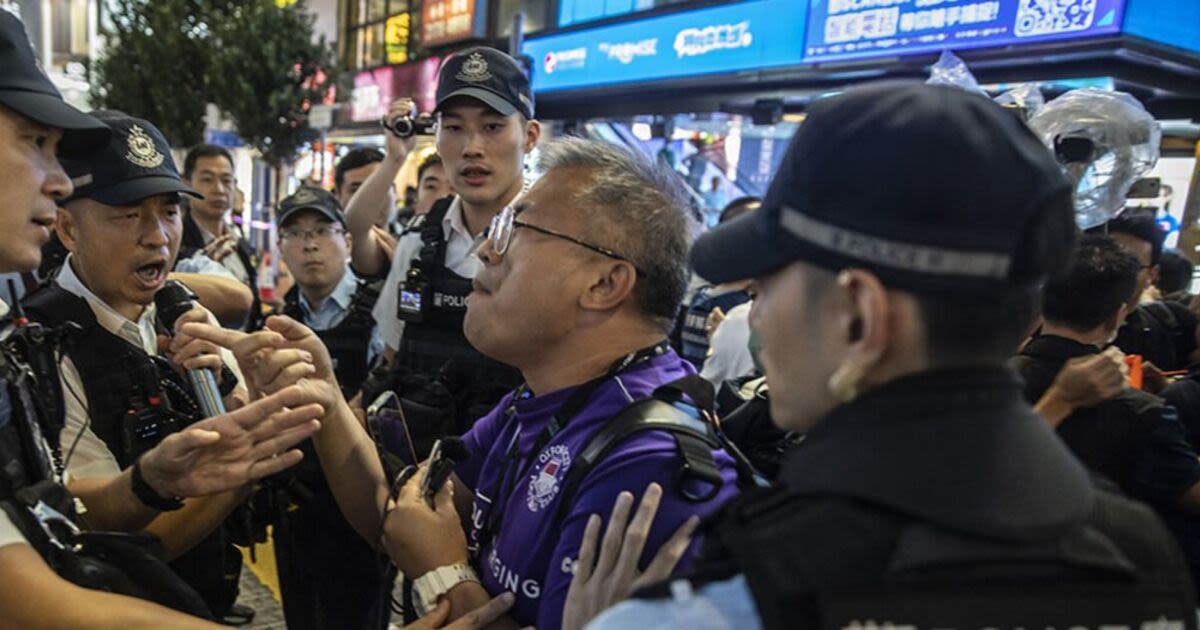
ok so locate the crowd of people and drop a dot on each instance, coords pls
(553, 402)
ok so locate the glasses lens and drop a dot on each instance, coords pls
(502, 230)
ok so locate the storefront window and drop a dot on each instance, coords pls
(378, 32)
(536, 14)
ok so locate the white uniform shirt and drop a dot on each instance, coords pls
(460, 258)
(729, 349)
(91, 458)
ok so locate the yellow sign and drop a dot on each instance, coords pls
(395, 37)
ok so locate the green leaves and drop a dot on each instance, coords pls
(255, 60)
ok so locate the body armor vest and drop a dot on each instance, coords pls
(437, 345)
(348, 342)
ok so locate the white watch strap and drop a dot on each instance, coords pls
(429, 587)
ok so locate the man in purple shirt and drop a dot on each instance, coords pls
(581, 281)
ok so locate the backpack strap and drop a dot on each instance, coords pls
(689, 421)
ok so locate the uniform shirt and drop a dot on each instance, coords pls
(460, 258)
(90, 457)
(335, 308)
(533, 551)
(729, 351)
(724, 605)
(232, 262)
(200, 263)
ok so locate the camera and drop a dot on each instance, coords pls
(409, 126)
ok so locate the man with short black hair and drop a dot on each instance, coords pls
(1133, 439)
(485, 129)
(1163, 333)
(1175, 275)
(209, 169)
(352, 170)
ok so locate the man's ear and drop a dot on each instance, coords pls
(609, 288)
(67, 227)
(867, 322)
(533, 133)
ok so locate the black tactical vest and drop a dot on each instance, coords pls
(348, 342)
(134, 400)
(437, 344)
(34, 499)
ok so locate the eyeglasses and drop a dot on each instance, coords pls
(322, 233)
(500, 233)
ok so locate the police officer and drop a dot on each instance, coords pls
(34, 124)
(926, 487)
(122, 225)
(697, 327)
(485, 129)
(329, 576)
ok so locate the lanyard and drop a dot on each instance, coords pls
(516, 466)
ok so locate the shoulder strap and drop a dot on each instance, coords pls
(53, 305)
(695, 433)
(433, 241)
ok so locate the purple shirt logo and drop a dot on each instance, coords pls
(551, 469)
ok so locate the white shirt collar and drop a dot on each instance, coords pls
(141, 333)
(453, 223)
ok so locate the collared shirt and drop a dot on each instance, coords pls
(532, 552)
(334, 309)
(729, 355)
(460, 258)
(91, 458)
(201, 263)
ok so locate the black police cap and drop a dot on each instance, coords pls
(931, 187)
(309, 198)
(488, 75)
(135, 164)
(27, 91)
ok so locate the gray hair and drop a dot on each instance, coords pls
(640, 209)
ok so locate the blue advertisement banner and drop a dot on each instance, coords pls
(729, 38)
(851, 29)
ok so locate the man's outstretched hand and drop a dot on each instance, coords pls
(283, 354)
(233, 449)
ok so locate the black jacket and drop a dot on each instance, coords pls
(944, 479)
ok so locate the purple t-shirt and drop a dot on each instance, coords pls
(532, 553)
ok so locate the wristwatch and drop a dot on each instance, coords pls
(147, 495)
(429, 587)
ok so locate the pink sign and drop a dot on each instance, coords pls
(374, 90)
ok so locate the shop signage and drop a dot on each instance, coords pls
(446, 21)
(374, 90)
(851, 29)
(730, 38)
(395, 37)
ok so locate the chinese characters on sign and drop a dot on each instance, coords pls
(446, 21)
(846, 29)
